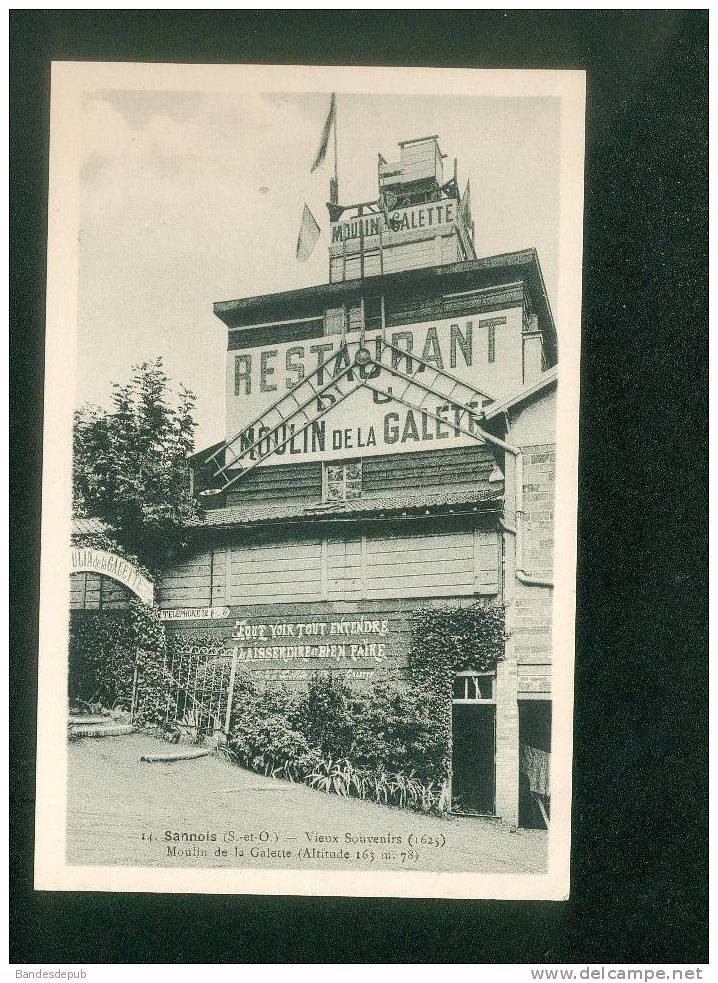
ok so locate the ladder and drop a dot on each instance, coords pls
(429, 380)
(440, 384)
(350, 368)
(296, 410)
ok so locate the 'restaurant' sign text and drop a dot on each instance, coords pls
(367, 421)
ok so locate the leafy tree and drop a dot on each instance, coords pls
(130, 464)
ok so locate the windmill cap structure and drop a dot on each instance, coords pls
(418, 219)
(419, 169)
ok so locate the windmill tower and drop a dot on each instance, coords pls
(418, 219)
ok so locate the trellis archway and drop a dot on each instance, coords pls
(104, 650)
(185, 689)
(84, 559)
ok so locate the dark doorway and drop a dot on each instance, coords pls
(534, 757)
(473, 758)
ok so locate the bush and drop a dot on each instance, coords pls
(263, 735)
(328, 715)
(107, 649)
(398, 731)
(381, 745)
(101, 660)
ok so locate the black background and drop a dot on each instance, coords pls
(639, 862)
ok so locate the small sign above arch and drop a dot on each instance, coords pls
(86, 560)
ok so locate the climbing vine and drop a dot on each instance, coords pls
(451, 639)
(151, 651)
(101, 660)
(448, 640)
(117, 658)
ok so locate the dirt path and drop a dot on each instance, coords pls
(211, 813)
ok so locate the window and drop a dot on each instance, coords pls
(342, 482)
(372, 312)
(492, 343)
(474, 687)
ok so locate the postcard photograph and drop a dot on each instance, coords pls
(309, 489)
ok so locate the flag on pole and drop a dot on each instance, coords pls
(308, 235)
(324, 142)
(465, 206)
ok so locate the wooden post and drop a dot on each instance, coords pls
(325, 568)
(335, 197)
(230, 692)
(168, 672)
(361, 242)
(134, 684)
(362, 330)
(450, 779)
(381, 252)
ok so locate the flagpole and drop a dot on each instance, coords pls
(336, 165)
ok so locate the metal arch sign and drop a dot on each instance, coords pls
(86, 560)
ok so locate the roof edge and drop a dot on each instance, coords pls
(548, 378)
(521, 257)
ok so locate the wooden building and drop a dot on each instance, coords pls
(390, 444)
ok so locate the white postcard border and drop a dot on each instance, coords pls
(69, 81)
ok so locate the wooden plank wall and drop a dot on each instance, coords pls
(274, 334)
(448, 470)
(373, 260)
(396, 611)
(418, 161)
(413, 563)
(410, 256)
(280, 483)
(413, 305)
(188, 584)
(497, 298)
(425, 304)
(419, 565)
(422, 303)
(266, 571)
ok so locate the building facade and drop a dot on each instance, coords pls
(390, 444)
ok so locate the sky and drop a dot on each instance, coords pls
(187, 198)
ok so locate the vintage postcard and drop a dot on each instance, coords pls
(310, 481)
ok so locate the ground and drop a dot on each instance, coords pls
(210, 812)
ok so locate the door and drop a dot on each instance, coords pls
(473, 760)
(534, 763)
